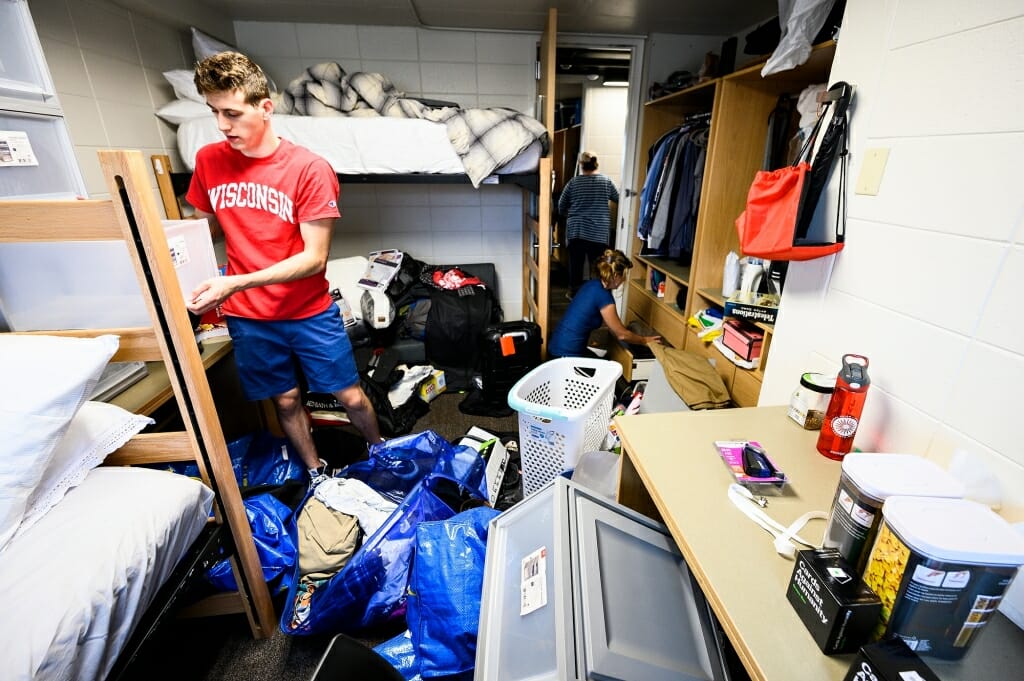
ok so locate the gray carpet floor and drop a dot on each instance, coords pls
(222, 648)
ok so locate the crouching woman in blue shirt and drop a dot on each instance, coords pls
(592, 305)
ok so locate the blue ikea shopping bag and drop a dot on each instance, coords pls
(417, 470)
(445, 584)
(271, 523)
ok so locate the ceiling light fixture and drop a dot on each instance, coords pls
(616, 83)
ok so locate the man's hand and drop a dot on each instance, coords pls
(210, 294)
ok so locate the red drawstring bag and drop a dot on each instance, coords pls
(781, 203)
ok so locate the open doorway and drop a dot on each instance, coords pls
(596, 109)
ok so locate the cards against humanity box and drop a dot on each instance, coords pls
(891, 660)
(835, 605)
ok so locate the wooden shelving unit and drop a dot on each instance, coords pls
(740, 104)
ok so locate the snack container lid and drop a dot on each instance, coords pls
(954, 530)
(819, 383)
(887, 475)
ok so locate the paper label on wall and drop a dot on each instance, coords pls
(16, 150)
(179, 250)
(533, 586)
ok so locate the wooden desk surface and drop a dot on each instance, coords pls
(671, 457)
(152, 391)
(671, 469)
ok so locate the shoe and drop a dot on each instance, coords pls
(318, 475)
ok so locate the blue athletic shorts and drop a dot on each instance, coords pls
(266, 351)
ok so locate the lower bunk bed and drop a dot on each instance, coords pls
(93, 558)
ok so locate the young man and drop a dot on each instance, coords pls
(275, 203)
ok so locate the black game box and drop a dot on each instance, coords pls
(836, 606)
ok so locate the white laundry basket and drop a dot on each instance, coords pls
(564, 406)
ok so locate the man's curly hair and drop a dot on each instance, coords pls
(230, 71)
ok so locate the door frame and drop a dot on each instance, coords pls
(537, 232)
(635, 45)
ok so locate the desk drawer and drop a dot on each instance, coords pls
(746, 388)
(669, 325)
(639, 305)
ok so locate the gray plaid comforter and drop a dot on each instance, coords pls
(483, 139)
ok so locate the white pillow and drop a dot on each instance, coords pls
(184, 85)
(181, 110)
(96, 430)
(45, 380)
(204, 45)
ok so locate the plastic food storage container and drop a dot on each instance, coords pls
(866, 482)
(940, 568)
(810, 400)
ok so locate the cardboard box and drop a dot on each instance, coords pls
(891, 660)
(489, 447)
(836, 606)
(743, 338)
(762, 308)
(431, 386)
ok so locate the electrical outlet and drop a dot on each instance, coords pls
(871, 170)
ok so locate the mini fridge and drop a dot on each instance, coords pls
(577, 587)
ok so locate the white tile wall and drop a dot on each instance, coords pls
(388, 42)
(918, 170)
(102, 27)
(449, 78)
(452, 46)
(506, 48)
(106, 62)
(929, 283)
(53, 20)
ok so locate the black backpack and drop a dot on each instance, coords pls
(393, 421)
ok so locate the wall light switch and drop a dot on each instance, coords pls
(870, 178)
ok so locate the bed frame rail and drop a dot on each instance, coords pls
(173, 185)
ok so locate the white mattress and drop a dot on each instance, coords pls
(355, 145)
(74, 586)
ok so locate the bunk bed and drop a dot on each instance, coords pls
(360, 150)
(81, 584)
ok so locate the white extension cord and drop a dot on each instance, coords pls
(785, 537)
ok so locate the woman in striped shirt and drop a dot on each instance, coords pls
(584, 204)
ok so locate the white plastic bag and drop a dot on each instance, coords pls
(800, 20)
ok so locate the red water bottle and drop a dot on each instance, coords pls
(843, 414)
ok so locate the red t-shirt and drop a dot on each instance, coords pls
(259, 203)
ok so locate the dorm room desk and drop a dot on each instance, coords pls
(152, 395)
(154, 390)
(671, 471)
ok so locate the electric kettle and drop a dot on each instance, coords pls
(751, 272)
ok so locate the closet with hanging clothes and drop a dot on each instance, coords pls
(699, 150)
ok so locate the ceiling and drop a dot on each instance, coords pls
(629, 17)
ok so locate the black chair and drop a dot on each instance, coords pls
(346, 659)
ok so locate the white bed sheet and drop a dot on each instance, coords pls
(357, 145)
(74, 586)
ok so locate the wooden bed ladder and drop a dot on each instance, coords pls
(131, 215)
(142, 229)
